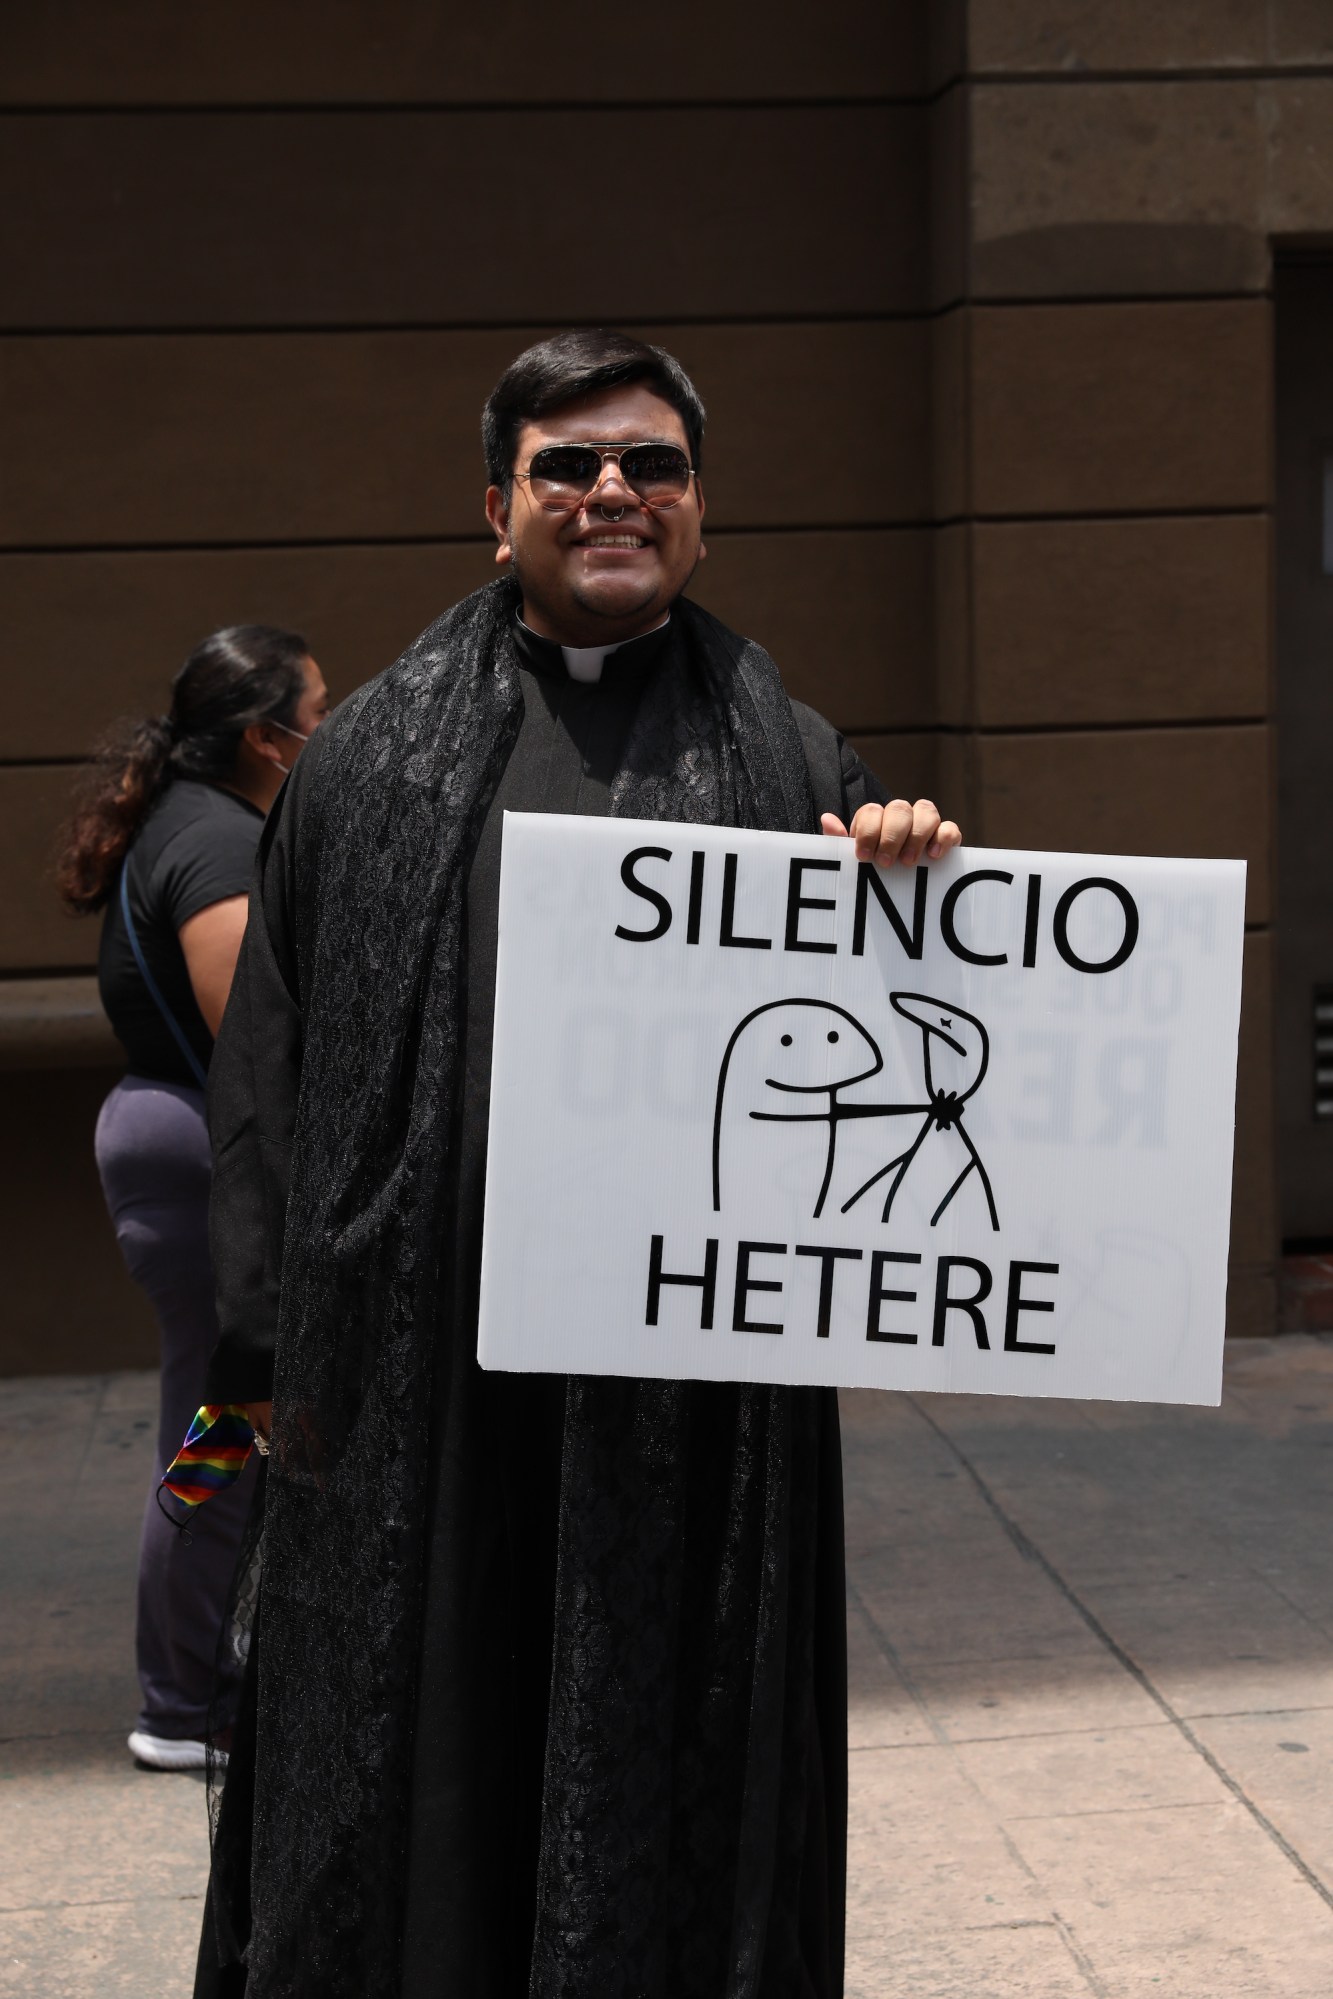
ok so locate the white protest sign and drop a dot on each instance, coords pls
(759, 1113)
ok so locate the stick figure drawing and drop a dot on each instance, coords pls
(785, 1065)
(789, 1063)
(955, 1055)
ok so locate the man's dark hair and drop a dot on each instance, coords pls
(568, 367)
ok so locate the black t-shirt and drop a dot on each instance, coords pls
(196, 847)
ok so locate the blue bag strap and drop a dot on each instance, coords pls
(197, 1069)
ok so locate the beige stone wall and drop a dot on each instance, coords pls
(979, 296)
(266, 263)
(1105, 442)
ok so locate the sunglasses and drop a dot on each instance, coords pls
(562, 475)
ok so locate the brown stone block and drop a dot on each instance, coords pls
(951, 195)
(954, 616)
(347, 437)
(1121, 408)
(1121, 621)
(1071, 37)
(847, 616)
(376, 218)
(1298, 118)
(1254, 1222)
(813, 424)
(951, 413)
(908, 766)
(1194, 793)
(69, 1303)
(1132, 188)
(1301, 31)
(87, 638)
(272, 437)
(418, 52)
(36, 933)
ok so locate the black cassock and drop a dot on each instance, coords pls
(527, 1862)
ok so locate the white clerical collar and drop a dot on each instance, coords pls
(585, 662)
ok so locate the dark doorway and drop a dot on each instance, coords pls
(1304, 577)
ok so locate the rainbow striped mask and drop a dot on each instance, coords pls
(212, 1458)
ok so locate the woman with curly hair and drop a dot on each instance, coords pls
(162, 840)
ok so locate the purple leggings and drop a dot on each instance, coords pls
(153, 1156)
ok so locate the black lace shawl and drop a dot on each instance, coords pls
(679, 1781)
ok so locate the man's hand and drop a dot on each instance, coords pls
(896, 832)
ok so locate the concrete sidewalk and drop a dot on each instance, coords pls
(1092, 1697)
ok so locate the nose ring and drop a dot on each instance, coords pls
(610, 517)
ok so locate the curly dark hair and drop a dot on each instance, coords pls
(233, 678)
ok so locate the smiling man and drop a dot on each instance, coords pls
(546, 1697)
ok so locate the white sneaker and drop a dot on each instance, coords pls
(160, 1753)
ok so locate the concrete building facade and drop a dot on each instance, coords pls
(1009, 316)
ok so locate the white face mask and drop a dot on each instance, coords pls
(287, 768)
